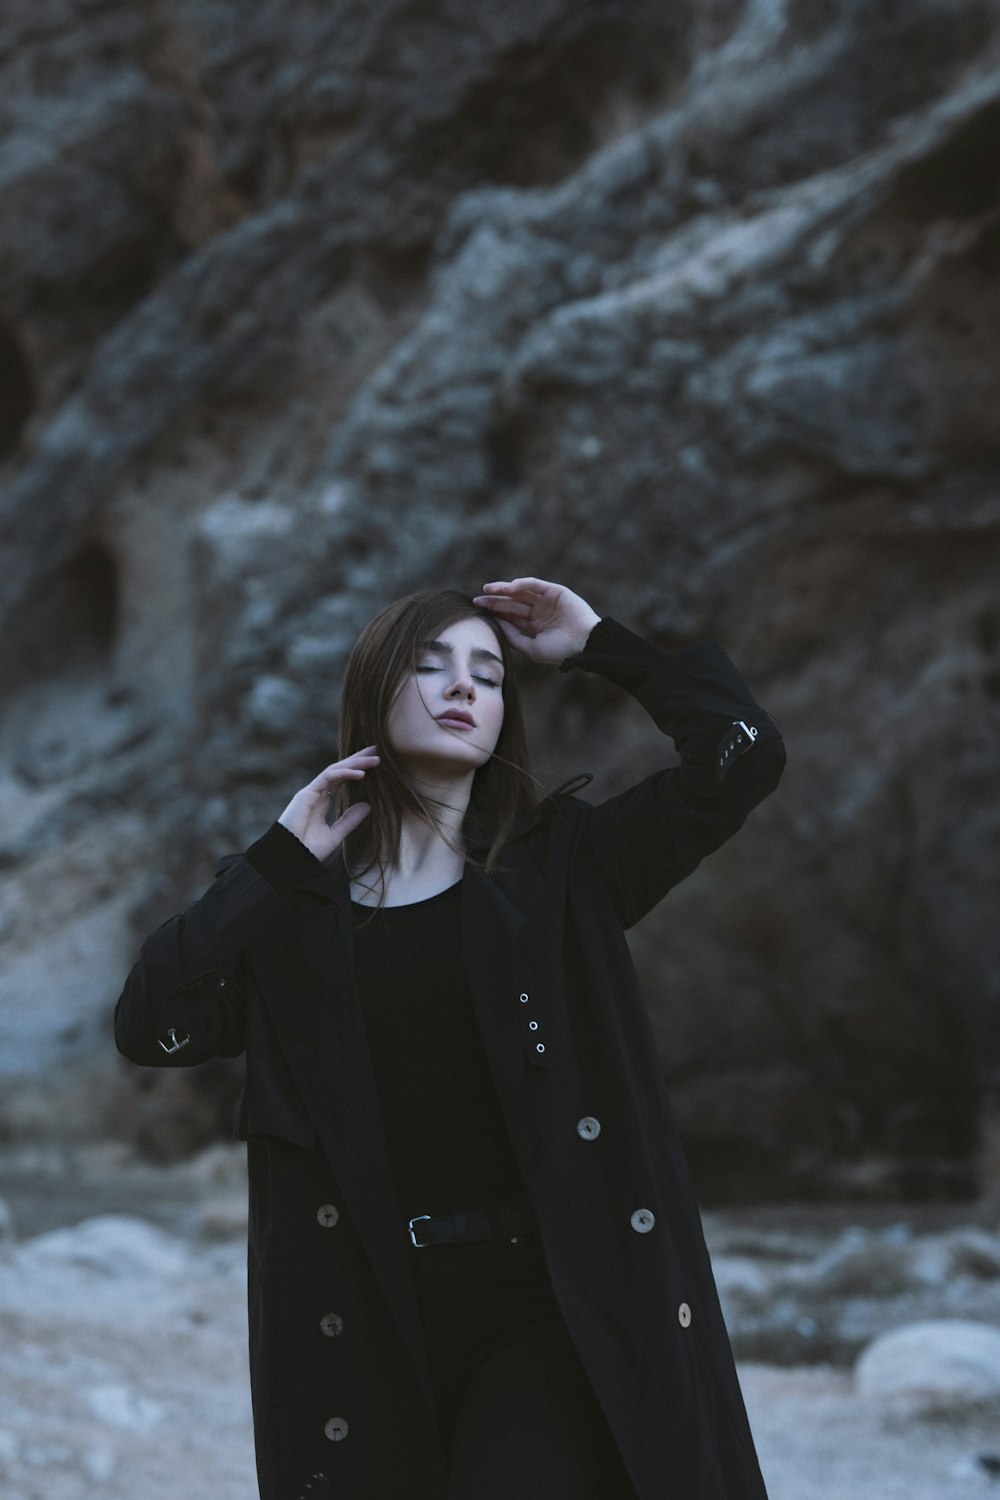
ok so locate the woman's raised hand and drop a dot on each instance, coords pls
(544, 620)
(306, 814)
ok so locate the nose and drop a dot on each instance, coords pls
(464, 686)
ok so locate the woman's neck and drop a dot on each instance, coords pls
(425, 862)
(422, 850)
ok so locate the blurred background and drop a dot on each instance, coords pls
(695, 308)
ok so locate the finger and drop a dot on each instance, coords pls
(329, 779)
(515, 635)
(525, 585)
(539, 584)
(506, 593)
(335, 774)
(519, 623)
(351, 819)
(497, 604)
(334, 784)
(360, 760)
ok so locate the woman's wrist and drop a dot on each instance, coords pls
(580, 643)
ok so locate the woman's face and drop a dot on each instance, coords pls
(459, 673)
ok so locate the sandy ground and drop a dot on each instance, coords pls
(123, 1371)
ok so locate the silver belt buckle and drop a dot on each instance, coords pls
(416, 1220)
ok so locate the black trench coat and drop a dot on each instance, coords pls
(263, 963)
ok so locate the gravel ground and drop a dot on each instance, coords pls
(817, 1440)
(123, 1371)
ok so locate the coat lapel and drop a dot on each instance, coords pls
(494, 927)
(312, 1001)
(502, 920)
(309, 987)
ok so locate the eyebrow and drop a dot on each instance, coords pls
(478, 653)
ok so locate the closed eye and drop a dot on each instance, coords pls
(488, 681)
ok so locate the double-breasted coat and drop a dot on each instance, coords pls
(263, 963)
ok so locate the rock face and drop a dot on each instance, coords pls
(694, 308)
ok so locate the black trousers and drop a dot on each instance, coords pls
(517, 1409)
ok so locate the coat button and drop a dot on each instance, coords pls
(642, 1220)
(532, 1025)
(684, 1315)
(336, 1429)
(327, 1214)
(524, 999)
(331, 1324)
(588, 1128)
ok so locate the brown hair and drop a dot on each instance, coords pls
(385, 651)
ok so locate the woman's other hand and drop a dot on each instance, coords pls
(544, 620)
(306, 814)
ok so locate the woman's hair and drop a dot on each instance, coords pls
(384, 653)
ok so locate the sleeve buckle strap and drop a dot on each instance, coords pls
(734, 743)
(177, 1045)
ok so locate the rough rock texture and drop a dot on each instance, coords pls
(795, 1295)
(695, 308)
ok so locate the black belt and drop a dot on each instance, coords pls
(500, 1221)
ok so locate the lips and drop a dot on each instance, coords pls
(457, 716)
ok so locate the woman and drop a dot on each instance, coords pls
(476, 1265)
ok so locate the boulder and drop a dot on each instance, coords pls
(941, 1365)
(116, 1245)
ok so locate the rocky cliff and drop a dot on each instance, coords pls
(692, 307)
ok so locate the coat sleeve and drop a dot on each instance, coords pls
(183, 1000)
(647, 839)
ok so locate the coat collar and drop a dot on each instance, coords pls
(330, 885)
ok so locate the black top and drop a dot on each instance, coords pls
(448, 1143)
